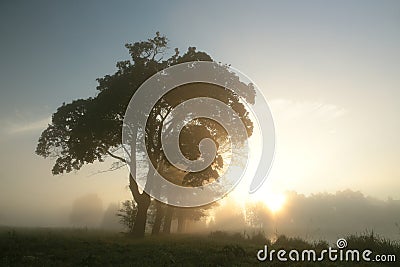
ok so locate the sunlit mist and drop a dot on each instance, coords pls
(275, 203)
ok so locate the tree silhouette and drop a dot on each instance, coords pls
(89, 130)
(127, 214)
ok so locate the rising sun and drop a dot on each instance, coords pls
(275, 202)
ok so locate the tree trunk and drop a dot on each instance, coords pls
(168, 219)
(143, 202)
(181, 223)
(159, 217)
(139, 226)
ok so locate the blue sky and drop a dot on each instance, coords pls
(53, 51)
(330, 71)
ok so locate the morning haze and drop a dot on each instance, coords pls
(329, 71)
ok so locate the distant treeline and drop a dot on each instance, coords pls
(318, 216)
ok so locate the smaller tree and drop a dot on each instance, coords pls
(127, 214)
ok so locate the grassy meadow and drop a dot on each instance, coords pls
(82, 247)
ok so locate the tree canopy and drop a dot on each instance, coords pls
(89, 130)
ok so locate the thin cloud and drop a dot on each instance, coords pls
(289, 109)
(28, 127)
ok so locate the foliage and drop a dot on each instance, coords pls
(89, 130)
(127, 214)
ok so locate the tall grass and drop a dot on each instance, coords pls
(83, 247)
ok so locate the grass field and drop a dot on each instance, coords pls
(80, 247)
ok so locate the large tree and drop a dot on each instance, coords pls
(89, 130)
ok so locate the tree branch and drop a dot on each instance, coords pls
(116, 157)
(108, 170)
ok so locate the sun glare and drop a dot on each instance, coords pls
(275, 202)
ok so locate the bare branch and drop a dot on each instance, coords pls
(116, 157)
(108, 170)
